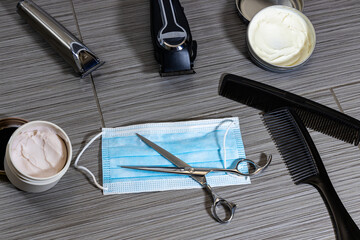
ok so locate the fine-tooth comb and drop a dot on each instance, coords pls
(305, 166)
(314, 115)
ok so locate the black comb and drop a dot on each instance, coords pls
(305, 166)
(314, 115)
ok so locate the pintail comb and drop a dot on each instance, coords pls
(305, 166)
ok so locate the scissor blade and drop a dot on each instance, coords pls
(175, 160)
(160, 169)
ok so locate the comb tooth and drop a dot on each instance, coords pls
(339, 131)
(348, 134)
(336, 129)
(289, 141)
(315, 116)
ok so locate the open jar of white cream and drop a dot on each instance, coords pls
(280, 38)
(37, 155)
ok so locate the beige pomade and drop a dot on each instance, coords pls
(38, 152)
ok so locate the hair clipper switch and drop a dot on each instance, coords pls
(175, 50)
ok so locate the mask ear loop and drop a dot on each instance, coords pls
(224, 142)
(82, 168)
(224, 147)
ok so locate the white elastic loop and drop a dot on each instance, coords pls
(224, 142)
(224, 146)
(84, 168)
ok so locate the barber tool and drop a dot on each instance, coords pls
(314, 115)
(305, 166)
(175, 50)
(80, 57)
(198, 174)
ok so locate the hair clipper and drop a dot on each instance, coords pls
(175, 50)
(80, 57)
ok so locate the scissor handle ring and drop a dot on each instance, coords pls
(257, 167)
(229, 208)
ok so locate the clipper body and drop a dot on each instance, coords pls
(80, 57)
(175, 50)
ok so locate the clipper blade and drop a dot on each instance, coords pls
(185, 72)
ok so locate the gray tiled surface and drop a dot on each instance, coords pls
(37, 84)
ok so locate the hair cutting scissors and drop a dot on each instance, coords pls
(198, 174)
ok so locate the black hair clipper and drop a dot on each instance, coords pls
(175, 50)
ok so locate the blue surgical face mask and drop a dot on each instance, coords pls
(205, 143)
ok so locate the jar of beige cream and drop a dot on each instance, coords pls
(37, 155)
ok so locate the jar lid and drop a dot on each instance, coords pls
(7, 128)
(248, 8)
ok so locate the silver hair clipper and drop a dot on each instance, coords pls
(80, 57)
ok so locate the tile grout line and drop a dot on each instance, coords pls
(346, 84)
(336, 100)
(92, 79)
(76, 20)
(97, 102)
